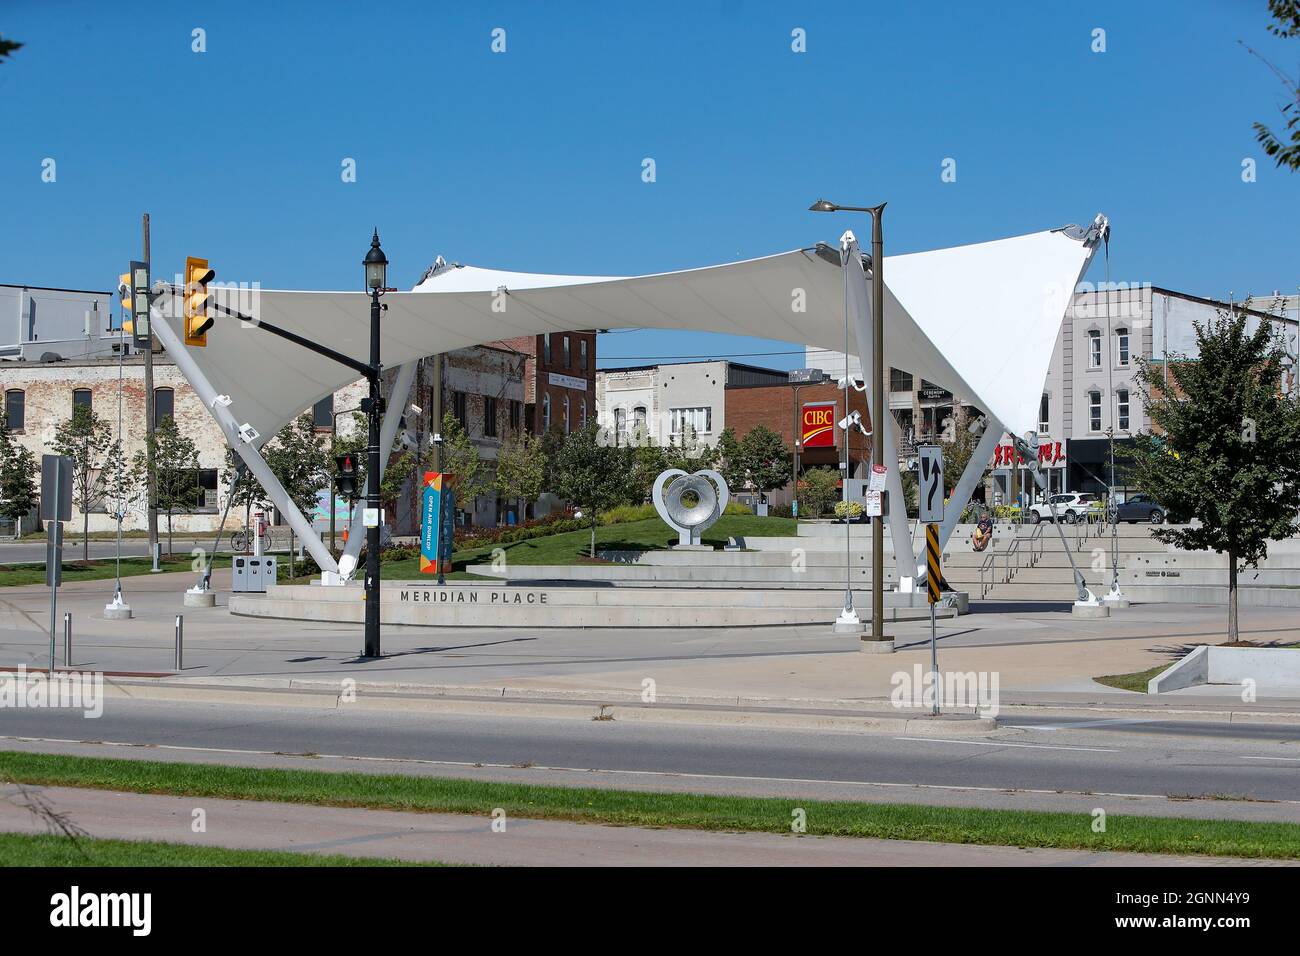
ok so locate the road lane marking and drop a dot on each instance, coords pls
(1107, 722)
(1245, 757)
(993, 743)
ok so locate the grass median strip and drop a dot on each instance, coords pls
(679, 810)
(43, 849)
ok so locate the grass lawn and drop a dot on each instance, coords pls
(683, 810)
(22, 849)
(12, 575)
(1136, 681)
(571, 547)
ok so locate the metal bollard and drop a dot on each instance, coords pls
(67, 638)
(180, 641)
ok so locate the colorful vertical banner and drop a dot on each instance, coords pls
(435, 523)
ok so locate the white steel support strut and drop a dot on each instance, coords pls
(966, 484)
(397, 400)
(219, 406)
(859, 303)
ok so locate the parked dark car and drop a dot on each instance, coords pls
(1141, 507)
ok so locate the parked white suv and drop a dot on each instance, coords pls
(1072, 507)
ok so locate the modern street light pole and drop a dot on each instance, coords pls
(376, 272)
(877, 399)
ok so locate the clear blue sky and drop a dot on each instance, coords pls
(531, 159)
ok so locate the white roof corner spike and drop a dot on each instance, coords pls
(981, 320)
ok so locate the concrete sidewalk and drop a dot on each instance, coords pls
(463, 838)
(1040, 654)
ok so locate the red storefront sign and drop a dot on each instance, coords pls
(818, 429)
(1050, 454)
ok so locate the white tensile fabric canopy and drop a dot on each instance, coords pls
(979, 320)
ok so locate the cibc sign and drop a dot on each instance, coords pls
(818, 429)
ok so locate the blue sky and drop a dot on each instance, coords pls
(531, 159)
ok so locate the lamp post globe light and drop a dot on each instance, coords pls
(877, 635)
(376, 265)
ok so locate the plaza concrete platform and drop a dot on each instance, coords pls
(547, 604)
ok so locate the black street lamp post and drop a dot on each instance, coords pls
(376, 272)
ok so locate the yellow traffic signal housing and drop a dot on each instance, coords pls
(124, 293)
(197, 300)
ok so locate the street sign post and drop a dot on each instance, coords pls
(933, 575)
(930, 464)
(56, 507)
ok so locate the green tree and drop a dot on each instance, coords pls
(460, 458)
(1225, 446)
(957, 455)
(85, 438)
(299, 457)
(176, 471)
(521, 469)
(18, 491)
(759, 462)
(818, 490)
(1286, 24)
(594, 475)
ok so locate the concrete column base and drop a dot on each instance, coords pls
(1116, 602)
(848, 627)
(117, 612)
(1090, 611)
(868, 646)
(200, 598)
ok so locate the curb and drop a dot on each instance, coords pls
(582, 705)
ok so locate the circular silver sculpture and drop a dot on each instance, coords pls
(707, 487)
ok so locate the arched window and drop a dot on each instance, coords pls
(82, 396)
(164, 405)
(546, 412)
(1094, 348)
(15, 409)
(620, 423)
(582, 411)
(566, 414)
(1121, 346)
(1122, 408)
(1094, 411)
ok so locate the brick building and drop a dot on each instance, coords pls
(559, 378)
(774, 406)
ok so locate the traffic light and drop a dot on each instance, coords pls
(345, 476)
(124, 293)
(197, 300)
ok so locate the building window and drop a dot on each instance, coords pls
(568, 358)
(15, 408)
(322, 413)
(1121, 407)
(639, 421)
(490, 416)
(566, 414)
(514, 415)
(1094, 349)
(1043, 422)
(82, 396)
(460, 408)
(1094, 411)
(582, 412)
(1121, 346)
(900, 381)
(620, 423)
(691, 421)
(546, 413)
(546, 348)
(582, 354)
(164, 405)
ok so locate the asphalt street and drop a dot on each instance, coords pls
(1235, 770)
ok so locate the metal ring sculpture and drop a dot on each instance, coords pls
(690, 521)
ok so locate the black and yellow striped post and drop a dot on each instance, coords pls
(933, 571)
(933, 575)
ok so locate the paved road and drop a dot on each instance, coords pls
(27, 552)
(465, 838)
(1119, 765)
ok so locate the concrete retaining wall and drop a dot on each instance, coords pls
(1271, 668)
